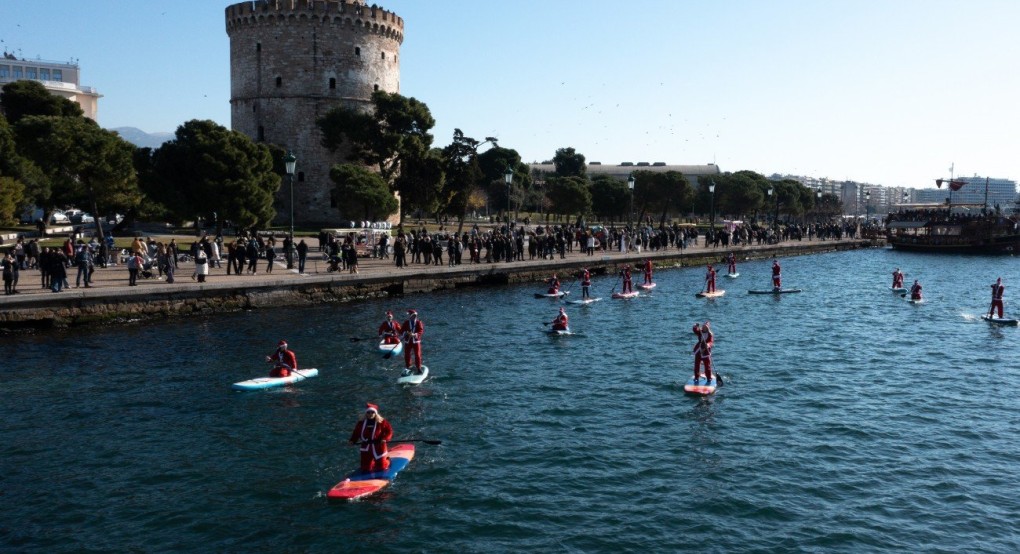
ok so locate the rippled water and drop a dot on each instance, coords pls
(851, 421)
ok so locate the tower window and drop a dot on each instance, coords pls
(357, 51)
(376, 88)
(332, 83)
(262, 134)
(254, 108)
(258, 46)
(279, 82)
(301, 176)
(383, 55)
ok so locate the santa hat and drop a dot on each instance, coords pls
(696, 329)
(371, 408)
(282, 343)
(412, 311)
(389, 313)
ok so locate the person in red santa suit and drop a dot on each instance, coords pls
(413, 330)
(777, 277)
(697, 351)
(897, 279)
(707, 340)
(390, 330)
(562, 322)
(371, 435)
(554, 284)
(732, 260)
(710, 279)
(915, 290)
(997, 291)
(284, 361)
(628, 283)
(585, 283)
(648, 271)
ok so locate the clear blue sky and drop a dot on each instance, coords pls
(883, 92)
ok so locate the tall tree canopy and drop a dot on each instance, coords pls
(421, 182)
(211, 172)
(609, 196)
(463, 174)
(362, 192)
(569, 163)
(24, 98)
(658, 193)
(494, 162)
(570, 195)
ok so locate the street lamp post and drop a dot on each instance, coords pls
(508, 177)
(818, 204)
(630, 210)
(289, 161)
(711, 190)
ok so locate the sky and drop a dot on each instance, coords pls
(891, 92)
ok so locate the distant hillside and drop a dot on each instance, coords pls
(142, 139)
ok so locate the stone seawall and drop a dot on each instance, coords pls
(121, 304)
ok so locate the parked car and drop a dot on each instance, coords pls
(78, 216)
(59, 218)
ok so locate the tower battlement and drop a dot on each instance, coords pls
(349, 13)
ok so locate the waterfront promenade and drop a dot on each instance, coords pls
(112, 297)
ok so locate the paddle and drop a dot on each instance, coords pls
(617, 283)
(426, 441)
(356, 339)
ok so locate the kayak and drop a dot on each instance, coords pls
(1000, 321)
(358, 484)
(701, 387)
(394, 349)
(649, 286)
(632, 294)
(733, 275)
(409, 377)
(270, 382)
(583, 301)
(559, 294)
(715, 294)
(773, 291)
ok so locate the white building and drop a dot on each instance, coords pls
(59, 78)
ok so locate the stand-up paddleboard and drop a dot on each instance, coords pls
(715, 294)
(631, 294)
(394, 349)
(409, 377)
(557, 332)
(358, 484)
(270, 382)
(733, 275)
(898, 290)
(773, 291)
(583, 301)
(702, 386)
(649, 286)
(918, 301)
(1000, 321)
(558, 294)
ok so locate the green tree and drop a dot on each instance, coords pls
(24, 98)
(12, 196)
(570, 195)
(211, 172)
(362, 192)
(658, 193)
(494, 162)
(421, 182)
(569, 163)
(609, 197)
(463, 174)
(85, 164)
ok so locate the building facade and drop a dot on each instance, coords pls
(291, 62)
(61, 79)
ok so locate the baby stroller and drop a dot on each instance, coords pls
(334, 263)
(146, 271)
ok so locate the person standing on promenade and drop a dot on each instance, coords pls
(628, 283)
(371, 434)
(270, 255)
(165, 262)
(777, 276)
(648, 271)
(58, 270)
(84, 260)
(389, 330)
(134, 265)
(284, 361)
(174, 252)
(897, 279)
(732, 261)
(585, 283)
(710, 279)
(302, 255)
(8, 269)
(915, 291)
(413, 330)
(201, 265)
(997, 291)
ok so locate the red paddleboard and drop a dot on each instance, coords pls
(701, 387)
(358, 485)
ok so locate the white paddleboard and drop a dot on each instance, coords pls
(409, 377)
(559, 294)
(271, 382)
(649, 286)
(733, 275)
(715, 294)
(394, 349)
(557, 332)
(583, 301)
(1001, 321)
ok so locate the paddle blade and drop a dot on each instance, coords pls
(387, 355)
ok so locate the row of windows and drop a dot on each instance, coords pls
(357, 51)
(42, 74)
(332, 83)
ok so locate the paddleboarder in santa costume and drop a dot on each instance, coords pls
(707, 340)
(561, 323)
(372, 433)
(915, 291)
(585, 283)
(283, 359)
(413, 330)
(648, 271)
(777, 277)
(554, 284)
(732, 260)
(697, 351)
(390, 330)
(897, 279)
(710, 279)
(997, 290)
(627, 282)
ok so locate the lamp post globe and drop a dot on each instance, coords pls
(289, 162)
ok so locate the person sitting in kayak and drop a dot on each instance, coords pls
(413, 329)
(915, 291)
(627, 282)
(897, 279)
(777, 276)
(390, 330)
(585, 283)
(561, 323)
(371, 434)
(732, 261)
(710, 279)
(998, 289)
(648, 271)
(285, 361)
(554, 284)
